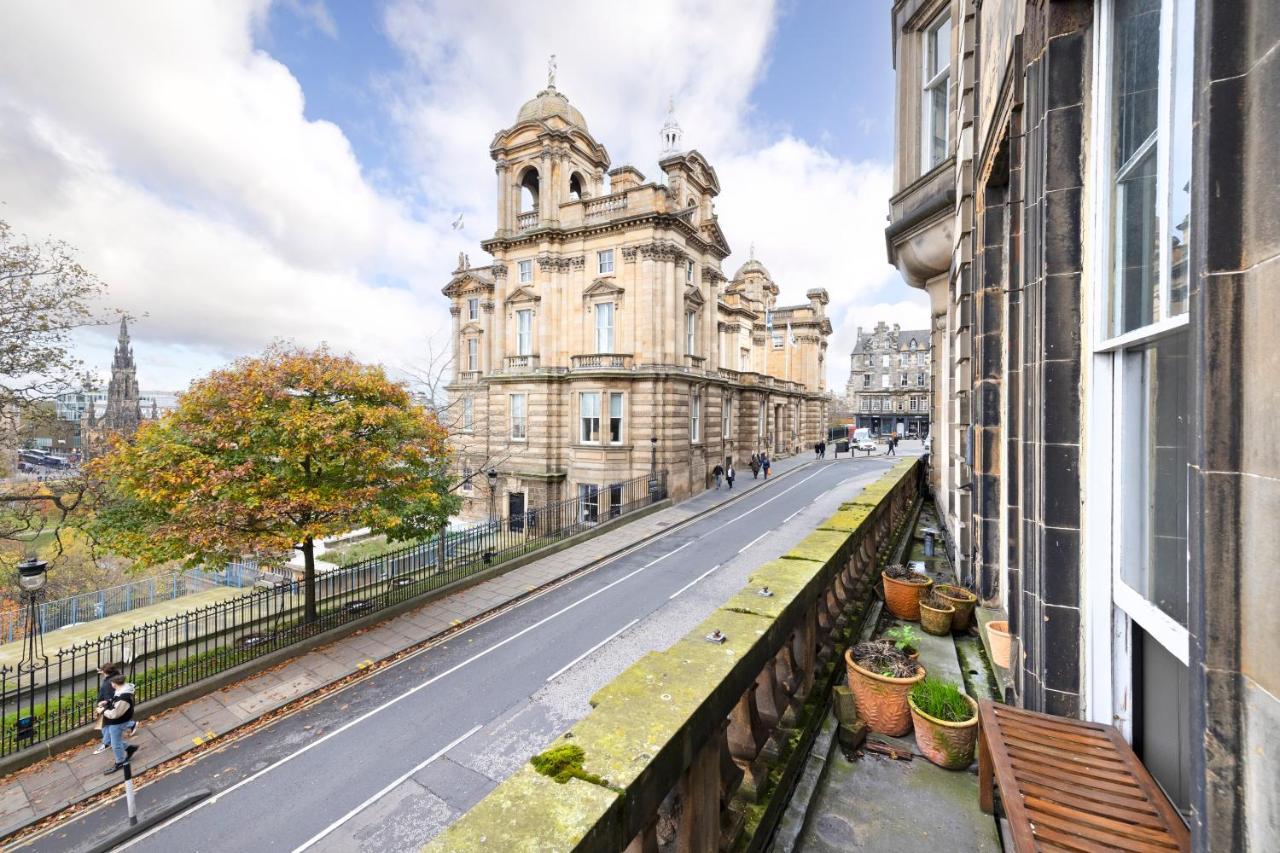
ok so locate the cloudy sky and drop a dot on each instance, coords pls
(240, 171)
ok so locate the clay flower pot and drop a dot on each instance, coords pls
(962, 600)
(880, 699)
(946, 744)
(1001, 643)
(903, 597)
(936, 620)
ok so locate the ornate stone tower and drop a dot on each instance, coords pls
(124, 408)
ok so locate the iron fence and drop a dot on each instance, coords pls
(114, 600)
(58, 693)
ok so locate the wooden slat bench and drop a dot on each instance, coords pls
(1071, 785)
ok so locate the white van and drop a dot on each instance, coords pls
(862, 440)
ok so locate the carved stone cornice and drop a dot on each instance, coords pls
(629, 254)
(578, 263)
(662, 250)
(555, 264)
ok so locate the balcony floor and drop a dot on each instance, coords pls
(874, 802)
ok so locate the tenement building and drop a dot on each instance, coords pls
(1087, 191)
(604, 340)
(890, 374)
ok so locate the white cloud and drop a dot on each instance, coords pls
(176, 154)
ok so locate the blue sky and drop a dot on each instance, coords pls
(240, 171)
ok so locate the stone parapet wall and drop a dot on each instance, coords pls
(690, 746)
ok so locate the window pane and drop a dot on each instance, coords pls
(1180, 158)
(604, 327)
(1134, 300)
(1154, 555)
(1136, 64)
(615, 418)
(937, 123)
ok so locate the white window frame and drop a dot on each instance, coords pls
(468, 414)
(518, 414)
(589, 417)
(726, 415)
(473, 354)
(688, 272)
(473, 308)
(695, 417)
(617, 437)
(866, 380)
(690, 332)
(524, 331)
(884, 381)
(604, 261)
(1109, 602)
(604, 333)
(941, 77)
(524, 271)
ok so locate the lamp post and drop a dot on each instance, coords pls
(31, 580)
(653, 469)
(493, 494)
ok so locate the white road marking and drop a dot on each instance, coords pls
(793, 515)
(692, 582)
(754, 541)
(413, 690)
(388, 789)
(571, 664)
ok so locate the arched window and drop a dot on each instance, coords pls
(576, 187)
(529, 190)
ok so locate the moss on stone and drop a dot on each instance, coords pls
(564, 762)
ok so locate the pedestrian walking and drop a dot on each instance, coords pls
(105, 694)
(764, 464)
(717, 472)
(118, 714)
(755, 466)
(729, 474)
(893, 442)
(822, 450)
(817, 450)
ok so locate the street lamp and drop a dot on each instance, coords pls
(493, 493)
(31, 580)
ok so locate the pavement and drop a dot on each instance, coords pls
(339, 763)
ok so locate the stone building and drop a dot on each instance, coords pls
(604, 339)
(890, 374)
(1087, 192)
(124, 410)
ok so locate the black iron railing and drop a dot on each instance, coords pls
(171, 653)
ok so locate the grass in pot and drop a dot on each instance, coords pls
(935, 615)
(962, 599)
(902, 590)
(946, 723)
(881, 677)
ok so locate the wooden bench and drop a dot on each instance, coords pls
(1071, 785)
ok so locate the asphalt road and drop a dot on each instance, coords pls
(390, 761)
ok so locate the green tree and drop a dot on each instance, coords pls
(270, 455)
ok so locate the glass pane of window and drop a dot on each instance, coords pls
(1135, 63)
(1154, 552)
(605, 259)
(589, 406)
(518, 416)
(468, 413)
(473, 354)
(604, 327)
(615, 417)
(524, 332)
(526, 272)
(1179, 234)
(937, 107)
(473, 309)
(939, 47)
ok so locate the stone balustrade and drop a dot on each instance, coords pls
(695, 748)
(520, 363)
(601, 361)
(469, 377)
(527, 221)
(604, 207)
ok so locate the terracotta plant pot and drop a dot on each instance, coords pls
(903, 597)
(936, 620)
(881, 700)
(962, 600)
(1001, 643)
(948, 745)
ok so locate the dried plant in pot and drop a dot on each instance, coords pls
(880, 678)
(904, 640)
(902, 590)
(946, 723)
(962, 599)
(935, 615)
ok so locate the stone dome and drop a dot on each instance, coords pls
(548, 103)
(750, 266)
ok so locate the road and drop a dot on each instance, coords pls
(388, 762)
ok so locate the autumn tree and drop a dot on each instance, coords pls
(270, 455)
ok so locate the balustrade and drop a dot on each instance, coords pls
(520, 363)
(604, 207)
(680, 746)
(527, 221)
(601, 361)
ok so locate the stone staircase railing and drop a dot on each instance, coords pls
(694, 746)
